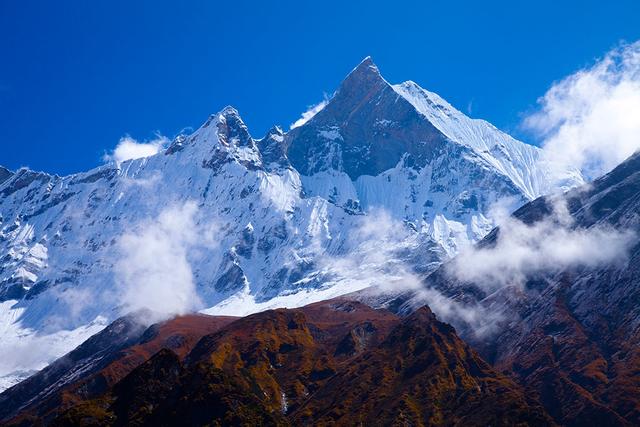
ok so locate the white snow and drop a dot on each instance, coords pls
(330, 134)
(520, 162)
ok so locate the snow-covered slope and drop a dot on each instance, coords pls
(407, 150)
(383, 181)
(511, 158)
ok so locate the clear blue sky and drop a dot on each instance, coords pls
(75, 76)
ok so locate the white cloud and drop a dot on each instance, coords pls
(24, 352)
(154, 268)
(311, 111)
(547, 246)
(73, 304)
(148, 182)
(128, 148)
(376, 260)
(589, 120)
(371, 253)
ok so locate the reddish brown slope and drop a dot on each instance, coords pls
(332, 363)
(179, 335)
(582, 377)
(102, 366)
(290, 354)
(421, 374)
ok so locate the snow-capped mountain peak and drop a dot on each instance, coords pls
(363, 80)
(358, 149)
(369, 125)
(363, 130)
(289, 210)
(232, 129)
(273, 148)
(222, 138)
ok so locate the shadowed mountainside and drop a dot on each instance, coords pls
(337, 362)
(570, 336)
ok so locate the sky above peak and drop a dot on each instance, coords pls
(81, 77)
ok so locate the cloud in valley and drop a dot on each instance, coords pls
(372, 252)
(589, 120)
(26, 352)
(547, 246)
(377, 260)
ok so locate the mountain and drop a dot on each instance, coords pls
(326, 363)
(385, 180)
(408, 151)
(571, 335)
(370, 126)
(102, 361)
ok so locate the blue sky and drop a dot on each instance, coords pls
(76, 77)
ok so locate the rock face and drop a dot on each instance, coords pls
(366, 129)
(264, 222)
(285, 367)
(369, 126)
(572, 337)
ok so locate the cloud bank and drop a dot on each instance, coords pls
(128, 148)
(547, 246)
(377, 259)
(589, 120)
(154, 267)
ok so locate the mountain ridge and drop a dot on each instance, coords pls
(281, 223)
(289, 363)
(569, 335)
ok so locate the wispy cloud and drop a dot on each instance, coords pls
(589, 120)
(378, 258)
(470, 106)
(547, 246)
(129, 148)
(154, 266)
(311, 111)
